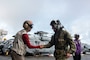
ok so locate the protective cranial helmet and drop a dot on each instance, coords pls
(27, 24)
(53, 23)
(56, 24)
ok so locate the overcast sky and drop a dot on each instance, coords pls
(73, 14)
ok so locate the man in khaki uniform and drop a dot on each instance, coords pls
(61, 39)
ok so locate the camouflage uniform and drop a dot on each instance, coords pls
(61, 39)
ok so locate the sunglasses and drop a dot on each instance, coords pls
(30, 25)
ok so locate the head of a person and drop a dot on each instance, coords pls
(28, 25)
(55, 25)
(76, 36)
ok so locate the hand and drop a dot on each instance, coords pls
(41, 46)
(68, 55)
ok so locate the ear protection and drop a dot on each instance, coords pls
(25, 25)
(56, 24)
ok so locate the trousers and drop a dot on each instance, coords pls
(15, 56)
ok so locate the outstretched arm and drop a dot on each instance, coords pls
(26, 40)
(50, 43)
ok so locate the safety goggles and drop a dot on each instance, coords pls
(30, 25)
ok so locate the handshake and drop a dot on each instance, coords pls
(42, 46)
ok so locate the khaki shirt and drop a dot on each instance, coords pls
(63, 42)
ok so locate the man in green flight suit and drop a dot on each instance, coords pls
(64, 45)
